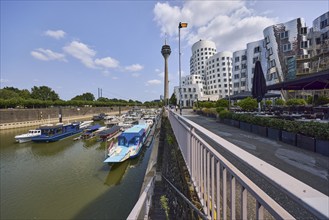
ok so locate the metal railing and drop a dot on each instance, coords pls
(142, 207)
(225, 192)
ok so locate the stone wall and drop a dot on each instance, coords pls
(23, 115)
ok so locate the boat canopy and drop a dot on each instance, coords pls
(129, 134)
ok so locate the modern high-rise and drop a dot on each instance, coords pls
(288, 50)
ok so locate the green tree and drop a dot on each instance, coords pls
(44, 93)
(173, 99)
(222, 103)
(8, 94)
(248, 104)
(85, 97)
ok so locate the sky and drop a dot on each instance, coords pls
(75, 47)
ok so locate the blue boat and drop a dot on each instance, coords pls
(129, 144)
(51, 133)
(89, 132)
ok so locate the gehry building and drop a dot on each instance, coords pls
(287, 51)
(210, 77)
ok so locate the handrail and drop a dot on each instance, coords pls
(206, 166)
(142, 206)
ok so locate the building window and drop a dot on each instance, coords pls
(236, 68)
(303, 30)
(303, 44)
(324, 24)
(243, 83)
(223, 63)
(194, 89)
(223, 58)
(272, 63)
(284, 35)
(244, 57)
(267, 39)
(286, 47)
(237, 59)
(257, 49)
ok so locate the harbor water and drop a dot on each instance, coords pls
(66, 180)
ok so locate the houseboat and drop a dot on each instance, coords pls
(129, 144)
(22, 138)
(51, 133)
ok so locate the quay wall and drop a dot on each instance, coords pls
(15, 118)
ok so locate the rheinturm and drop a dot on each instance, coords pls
(165, 53)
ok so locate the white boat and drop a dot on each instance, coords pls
(22, 138)
(129, 144)
(85, 124)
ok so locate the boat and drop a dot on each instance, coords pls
(22, 138)
(51, 133)
(109, 133)
(85, 124)
(90, 132)
(129, 144)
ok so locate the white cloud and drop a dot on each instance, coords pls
(107, 62)
(134, 67)
(115, 78)
(81, 52)
(230, 24)
(135, 75)
(153, 82)
(4, 80)
(47, 55)
(55, 34)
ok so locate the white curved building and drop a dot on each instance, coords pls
(201, 51)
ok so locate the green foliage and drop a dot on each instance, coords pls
(279, 102)
(293, 102)
(164, 205)
(173, 99)
(225, 114)
(207, 104)
(222, 103)
(8, 94)
(44, 93)
(219, 109)
(87, 97)
(248, 104)
(268, 102)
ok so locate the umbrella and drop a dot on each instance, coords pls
(258, 84)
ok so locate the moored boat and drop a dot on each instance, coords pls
(110, 132)
(129, 144)
(22, 138)
(51, 133)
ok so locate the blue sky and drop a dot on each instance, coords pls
(75, 47)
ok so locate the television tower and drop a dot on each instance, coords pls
(165, 53)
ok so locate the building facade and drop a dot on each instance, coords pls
(287, 51)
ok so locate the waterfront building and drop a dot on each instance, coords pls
(239, 77)
(288, 50)
(283, 42)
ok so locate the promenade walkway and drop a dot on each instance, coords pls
(306, 166)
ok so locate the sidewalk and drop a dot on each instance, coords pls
(306, 166)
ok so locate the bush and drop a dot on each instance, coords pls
(279, 102)
(219, 109)
(293, 102)
(248, 104)
(222, 103)
(225, 114)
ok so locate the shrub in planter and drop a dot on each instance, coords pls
(290, 129)
(248, 104)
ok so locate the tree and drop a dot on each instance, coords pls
(44, 93)
(222, 103)
(173, 99)
(8, 94)
(85, 97)
(248, 104)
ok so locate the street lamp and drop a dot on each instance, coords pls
(181, 25)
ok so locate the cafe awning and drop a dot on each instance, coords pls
(316, 81)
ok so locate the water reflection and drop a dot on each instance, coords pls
(39, 179)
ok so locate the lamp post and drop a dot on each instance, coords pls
(181, 25)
